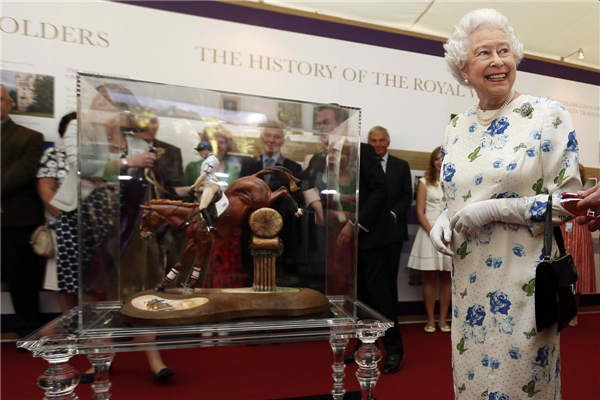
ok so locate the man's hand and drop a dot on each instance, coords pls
(591, 201)
(143, 160)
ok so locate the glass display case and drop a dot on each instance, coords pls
(153, 254)
(138, 146)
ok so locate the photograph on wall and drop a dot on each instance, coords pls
(231, 103)
(291, 115)
(33, 94)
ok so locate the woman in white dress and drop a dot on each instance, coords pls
(423, 255)
(501, 160)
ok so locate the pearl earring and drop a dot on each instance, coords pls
(466, 81)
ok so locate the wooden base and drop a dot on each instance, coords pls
(196, 306)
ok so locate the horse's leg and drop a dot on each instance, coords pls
(289, 200)
(200, 258)
(175, 270)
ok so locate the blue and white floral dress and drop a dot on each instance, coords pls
(530, 150)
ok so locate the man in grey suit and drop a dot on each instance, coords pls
(22, 212)
(399, 185)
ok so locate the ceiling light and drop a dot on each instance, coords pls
(579, 53)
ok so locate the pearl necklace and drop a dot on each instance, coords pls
(487, 121)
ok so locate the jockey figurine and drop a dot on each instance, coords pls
(208, 180)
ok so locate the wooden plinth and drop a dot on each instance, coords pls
(211, 305)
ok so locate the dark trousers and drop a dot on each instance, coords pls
(374, 289)
(395, 252)
(23, 272)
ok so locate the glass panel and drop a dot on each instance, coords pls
(138, 142)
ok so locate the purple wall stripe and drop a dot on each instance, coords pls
(334, 30)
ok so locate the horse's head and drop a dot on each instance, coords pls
(149, 221)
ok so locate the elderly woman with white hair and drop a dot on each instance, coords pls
(502, 159)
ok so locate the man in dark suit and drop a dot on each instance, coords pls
(374, 224)
(168, 157)
(399, 184)
(22, 213)
(273, 139)
(374, 242)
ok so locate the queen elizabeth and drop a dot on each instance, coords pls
(502, 159)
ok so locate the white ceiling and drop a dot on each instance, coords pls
(549, 29)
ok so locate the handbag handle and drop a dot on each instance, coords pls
(548, 233)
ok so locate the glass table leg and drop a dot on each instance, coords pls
(101, 386)
(367, 357)
(60, 379)
(338, 344)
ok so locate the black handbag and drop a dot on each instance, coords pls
(555, 280)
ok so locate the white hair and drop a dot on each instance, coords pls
(457, 46)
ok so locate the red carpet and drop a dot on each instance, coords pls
(278, 371)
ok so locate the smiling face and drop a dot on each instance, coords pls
(490, 67)
(272, 140)
(380, 143)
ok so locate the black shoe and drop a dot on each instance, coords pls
(349, 359)
(164, 374)
(393, 364)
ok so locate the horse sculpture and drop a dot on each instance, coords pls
(244, 194)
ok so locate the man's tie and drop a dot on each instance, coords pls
(268, 163)
(382, 161)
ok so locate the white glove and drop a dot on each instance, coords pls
(441, 233)
(476, 215)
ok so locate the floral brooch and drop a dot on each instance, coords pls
(526, 110)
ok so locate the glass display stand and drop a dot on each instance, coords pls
(104, 335)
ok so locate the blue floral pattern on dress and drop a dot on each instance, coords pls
(572, 144)
(498, 126)
(542, 356)
(547, 146)
(498, 163)
(519, 250)
(475, 315)
(515, 353)
(493, 262)
(470, 374)
(498, 396)
(512, 165)
(477, 179)
(507, 195)
(472, 277)
(473, 127)
(532, 152)
(449, 171)
(537, 211)
(499, 302)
